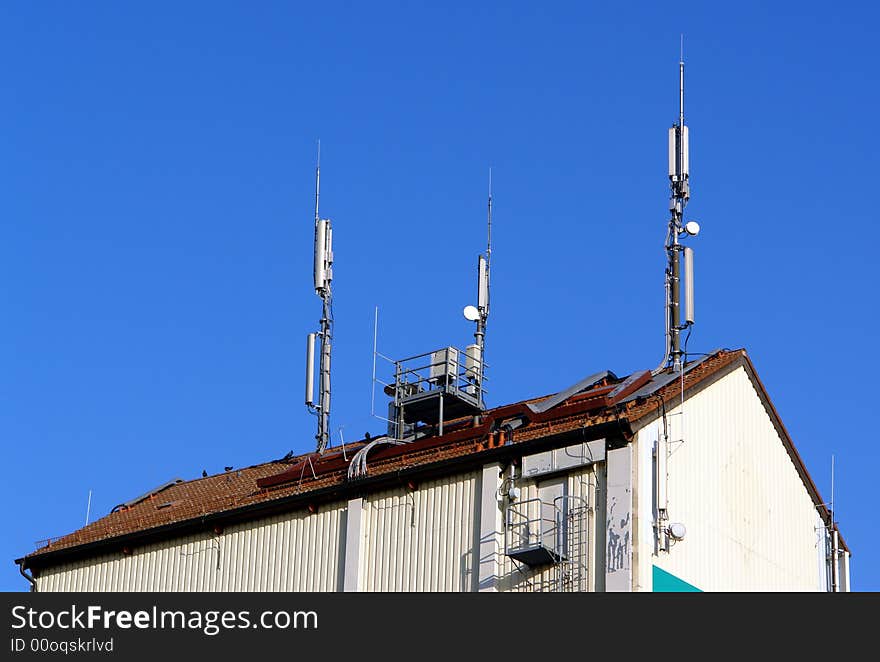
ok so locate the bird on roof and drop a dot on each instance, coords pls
(204, 474)
(287, 456)
(227, 468)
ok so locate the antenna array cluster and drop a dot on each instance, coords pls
(679, 180)
(416, 396)
(323, 275)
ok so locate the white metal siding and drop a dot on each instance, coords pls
(421, 540)
(750, 520)
(296, 551)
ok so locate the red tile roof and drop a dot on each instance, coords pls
(279, 484)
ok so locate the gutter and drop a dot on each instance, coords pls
(22, 565)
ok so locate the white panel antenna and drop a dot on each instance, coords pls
(688, 285)
(310, 370)
(321, 253)
(483, 284)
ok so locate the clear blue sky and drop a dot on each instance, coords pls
(156, 166)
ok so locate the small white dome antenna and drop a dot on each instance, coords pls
(471, 313)
(676, 531)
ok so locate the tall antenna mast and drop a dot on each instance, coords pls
(679, 174)
(483, 270)
(323, 275)
(475, 365)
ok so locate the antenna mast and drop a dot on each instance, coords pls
(323, 275)
(483, 270)
(679, 172)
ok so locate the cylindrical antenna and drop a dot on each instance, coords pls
(835, 567)
(310, 370)
(320, 268)
(483, 278)
(688, 285)
(685, 153)
(662, 451)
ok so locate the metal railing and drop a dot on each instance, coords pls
(551, 534)
(532, 524)
(447, 369)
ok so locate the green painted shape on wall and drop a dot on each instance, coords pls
(665, 582)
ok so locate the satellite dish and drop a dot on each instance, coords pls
(471, 314)
(677, 530)
(692, 228)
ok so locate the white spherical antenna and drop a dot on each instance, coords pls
(471, 314)
(692, 228)
(677, 530)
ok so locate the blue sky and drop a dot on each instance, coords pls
(156, 221)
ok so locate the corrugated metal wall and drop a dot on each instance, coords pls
(296, 551)
(750, 520)
(421, 540)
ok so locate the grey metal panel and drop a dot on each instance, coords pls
(662, 379)
(561, 459)
(618, 538)
(562, 396)
(490, 524)
(537, 464)
(580, 454)
(146, 495)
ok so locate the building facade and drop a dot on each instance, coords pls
(659, 481)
